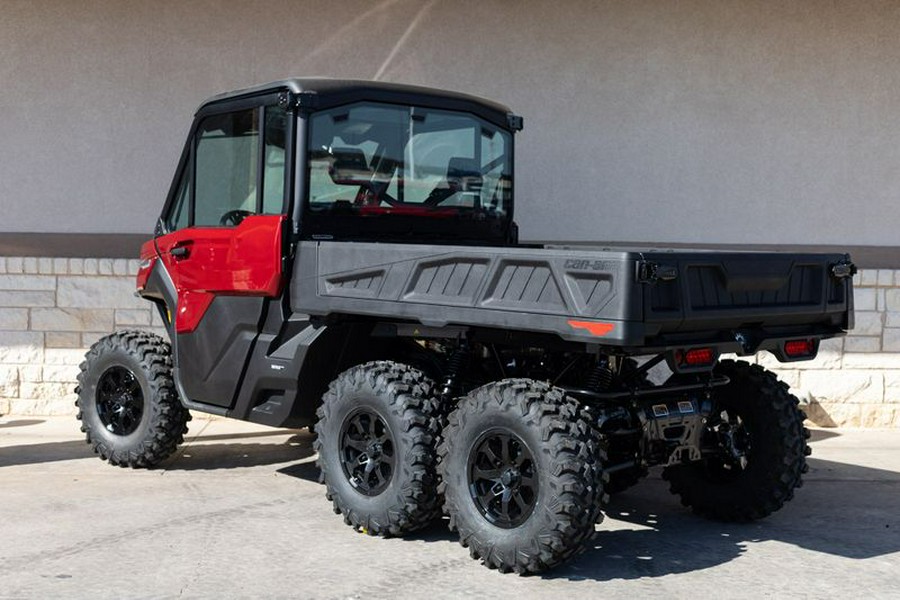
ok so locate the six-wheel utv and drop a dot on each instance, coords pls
(342, 255)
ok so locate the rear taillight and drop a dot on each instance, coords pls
(695, 357)
(800, 348)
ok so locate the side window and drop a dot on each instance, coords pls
(180, 211)
(274, 167)
(226, 164)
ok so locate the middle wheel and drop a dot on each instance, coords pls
(522, 476)
(376, 436)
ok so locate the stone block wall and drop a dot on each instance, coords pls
(855, 380)
(53, 309)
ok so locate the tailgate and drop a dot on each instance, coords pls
(712, 290)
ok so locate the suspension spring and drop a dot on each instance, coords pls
(455, 365)
(600, 377)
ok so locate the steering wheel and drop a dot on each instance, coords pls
(233, 218)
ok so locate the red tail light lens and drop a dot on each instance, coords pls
(798, 348)
(696, 357)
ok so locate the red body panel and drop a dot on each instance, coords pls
(210, 261)
(148, 259)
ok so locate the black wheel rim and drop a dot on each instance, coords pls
(120, 401)
(732, 442)
(502, 478)
(367, 452)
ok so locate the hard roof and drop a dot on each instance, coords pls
(330, 92)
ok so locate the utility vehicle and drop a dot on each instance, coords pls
(342, 255)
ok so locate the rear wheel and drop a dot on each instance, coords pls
(127, 404)
(376, 434)
(521, 470)
(754, 449)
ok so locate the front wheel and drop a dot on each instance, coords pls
(521, 470)
(127, 404)
(754, 449)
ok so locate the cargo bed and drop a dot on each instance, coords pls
(624, 297)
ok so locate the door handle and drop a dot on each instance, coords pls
(180, 252)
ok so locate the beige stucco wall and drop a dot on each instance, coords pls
(748, 121)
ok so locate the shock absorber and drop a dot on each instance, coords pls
(601, 376)
(455, 366)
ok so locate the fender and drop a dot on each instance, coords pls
(157, 286)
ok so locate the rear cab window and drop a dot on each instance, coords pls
(372, 158)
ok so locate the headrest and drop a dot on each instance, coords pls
(349, 167)
(463, 167)
(464, 174)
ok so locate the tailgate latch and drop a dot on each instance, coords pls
(843, 269)
(651, 272)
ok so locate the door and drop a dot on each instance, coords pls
(223, 246)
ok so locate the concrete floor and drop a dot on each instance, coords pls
(238, 513)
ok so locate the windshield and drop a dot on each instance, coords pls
(371, 158)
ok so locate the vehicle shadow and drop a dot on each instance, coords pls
(204, 452)
(306, 470)
(842, 510)
(216, 455)
(199, 453)
(47, 452)
(817, 435)
(21, 423)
